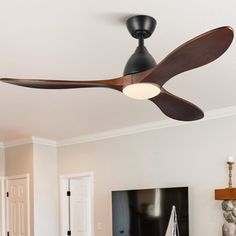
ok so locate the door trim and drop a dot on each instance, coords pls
(27, 177)
(63, 199)
(3, 203)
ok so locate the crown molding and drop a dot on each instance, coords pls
(118, 132)
(43, 141)
(220, 113)
(32, 140)
(17, 142)
(161, 124)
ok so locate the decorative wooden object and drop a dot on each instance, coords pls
(227, 193)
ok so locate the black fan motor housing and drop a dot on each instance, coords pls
(140, 61)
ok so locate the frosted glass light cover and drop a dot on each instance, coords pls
(141, 90)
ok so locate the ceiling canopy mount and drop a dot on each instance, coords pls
(141, 26)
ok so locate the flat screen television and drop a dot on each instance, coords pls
(147, 212)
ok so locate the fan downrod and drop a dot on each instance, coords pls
(141, 26)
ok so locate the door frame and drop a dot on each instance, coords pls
(63, 199)
(3, 205)
(27, 177)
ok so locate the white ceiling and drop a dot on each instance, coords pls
(61, 39)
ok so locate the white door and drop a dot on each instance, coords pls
(76, 205)
(80, 207)
(17, 207)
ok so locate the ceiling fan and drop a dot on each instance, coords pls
(143, 78)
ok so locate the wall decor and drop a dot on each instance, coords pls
(228, 195)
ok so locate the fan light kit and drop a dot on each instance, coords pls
(143, 78)
(141, 91)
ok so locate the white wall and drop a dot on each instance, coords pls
(45, 191)
(191, 155)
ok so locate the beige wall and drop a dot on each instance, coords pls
(191, 155)
(40, 162)
(19, 161)
(2, 162)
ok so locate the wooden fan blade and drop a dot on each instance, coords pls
(195, 53)
(117, 83)
(67, 84)
(177, 108)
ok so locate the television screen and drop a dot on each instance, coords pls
(147, 212)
